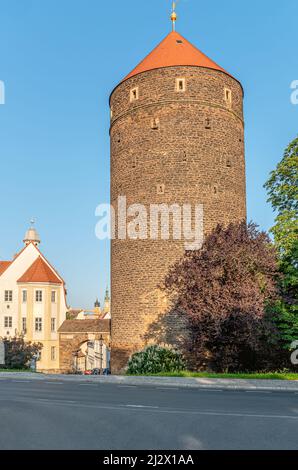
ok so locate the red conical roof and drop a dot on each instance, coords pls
(173, 51)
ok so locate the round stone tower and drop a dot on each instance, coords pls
(177, 137)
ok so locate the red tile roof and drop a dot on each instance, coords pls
(4, 265)
(174, 50)
(83, 326)
(39, 271)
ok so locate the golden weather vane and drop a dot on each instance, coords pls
(174, 16)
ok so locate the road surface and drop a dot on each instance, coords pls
(52, 415)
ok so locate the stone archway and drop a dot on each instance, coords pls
(93, 354)
(89, 338)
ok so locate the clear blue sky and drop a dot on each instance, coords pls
(60, 59)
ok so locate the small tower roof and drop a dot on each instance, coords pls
(31, 235)
(173, 51)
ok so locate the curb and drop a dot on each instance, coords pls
(175, 382)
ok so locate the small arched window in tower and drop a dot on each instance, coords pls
(180, 85)
(160, 189)
(155, 124)
(208, 123)
(228, 97)
(215, 190)
(229, 163)
(134, 94)
(184, 157)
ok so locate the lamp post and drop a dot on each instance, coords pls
(75, 361)
(101, 353)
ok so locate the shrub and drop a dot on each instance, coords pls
(19, 353)
(154, 360)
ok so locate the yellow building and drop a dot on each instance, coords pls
(33, 300)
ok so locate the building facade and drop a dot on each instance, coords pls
(177, 137)
(33, 300)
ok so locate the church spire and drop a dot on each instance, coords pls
(107, 295)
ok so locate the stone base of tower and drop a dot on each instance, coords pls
(120, 355)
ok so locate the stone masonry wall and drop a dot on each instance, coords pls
(196, 155)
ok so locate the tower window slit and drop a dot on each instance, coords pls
(134, 94)
(180, 84)
(134, 162)
(160, 189)
(155, 124)
(228, 96)
(208, 123)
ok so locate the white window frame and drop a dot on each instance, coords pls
(8, 322)
(53, 297)
(38, 325)
(24, 324)
(53, 325)
(38, 296)
(8, 296)
(53, 353)
(24, 296)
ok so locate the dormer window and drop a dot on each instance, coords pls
(180, 85)
(134, 94)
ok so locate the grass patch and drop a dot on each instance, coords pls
(256, 375)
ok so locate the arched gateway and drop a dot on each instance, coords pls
(84, 345)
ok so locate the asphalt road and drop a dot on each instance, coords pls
(71, 415)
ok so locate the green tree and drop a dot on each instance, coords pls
(282, 188)
(223, 290)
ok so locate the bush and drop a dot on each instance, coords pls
(19, 353)
(154, 360)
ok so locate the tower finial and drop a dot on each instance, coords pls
(174, 16)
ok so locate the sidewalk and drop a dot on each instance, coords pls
(177, 382)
